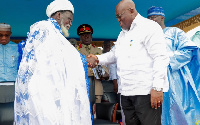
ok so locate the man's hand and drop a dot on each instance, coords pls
(92, 60)
(105, 76)
(156, 98)
(115, 85)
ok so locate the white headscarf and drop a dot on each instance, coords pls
(57, 5)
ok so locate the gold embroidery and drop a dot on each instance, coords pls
(87, 47)
(91, 71)
(78, 48)
(84, 28)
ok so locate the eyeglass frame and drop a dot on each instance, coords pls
(118, 16)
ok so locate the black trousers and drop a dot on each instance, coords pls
(138, 111)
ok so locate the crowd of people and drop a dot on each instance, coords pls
(153, 68)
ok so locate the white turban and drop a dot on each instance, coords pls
(5, 27)
(58, 5)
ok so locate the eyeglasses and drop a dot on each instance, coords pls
(118, 16)
(152, 17)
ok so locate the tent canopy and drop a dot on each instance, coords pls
(100, 14)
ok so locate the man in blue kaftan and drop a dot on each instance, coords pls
(181, 105)
(51, 86)
(194, 64)
(8, 55)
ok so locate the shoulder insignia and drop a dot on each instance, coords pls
(78, 47)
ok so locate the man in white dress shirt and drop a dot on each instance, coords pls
(142, 61)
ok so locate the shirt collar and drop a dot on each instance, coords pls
(135, 22)
(89, 46)
(56, 25)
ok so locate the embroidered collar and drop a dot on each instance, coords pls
(87, 46)
(55, 23)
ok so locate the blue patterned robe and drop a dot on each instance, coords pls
(181, 104)
(52, 86)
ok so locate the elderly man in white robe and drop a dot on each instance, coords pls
(51, 86)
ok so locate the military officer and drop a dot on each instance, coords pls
(85, 32)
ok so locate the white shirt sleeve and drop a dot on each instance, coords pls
(107, 58)
(156, 47)
(113, 71)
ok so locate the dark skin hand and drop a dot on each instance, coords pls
(156, 98)
(92, 60)
(105, 76)
(115, 85)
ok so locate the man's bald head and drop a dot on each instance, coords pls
(126, 13)
(125, 4)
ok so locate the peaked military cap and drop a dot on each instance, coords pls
(84, 28)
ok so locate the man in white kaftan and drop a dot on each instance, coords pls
(51, 86)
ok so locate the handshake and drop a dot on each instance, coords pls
(92, 60)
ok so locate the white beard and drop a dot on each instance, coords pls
(64, 29)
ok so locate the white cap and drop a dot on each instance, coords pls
(5, 27)
(58, 5)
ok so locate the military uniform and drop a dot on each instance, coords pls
(85, 31)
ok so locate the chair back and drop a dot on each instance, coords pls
(105, 111)
(7, 96)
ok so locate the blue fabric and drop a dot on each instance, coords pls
(181, 105)
(30, 57)
(21, 45)
(8, 61)
(155, 11)
(194, 67)
(84, 60)
(196, 38)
